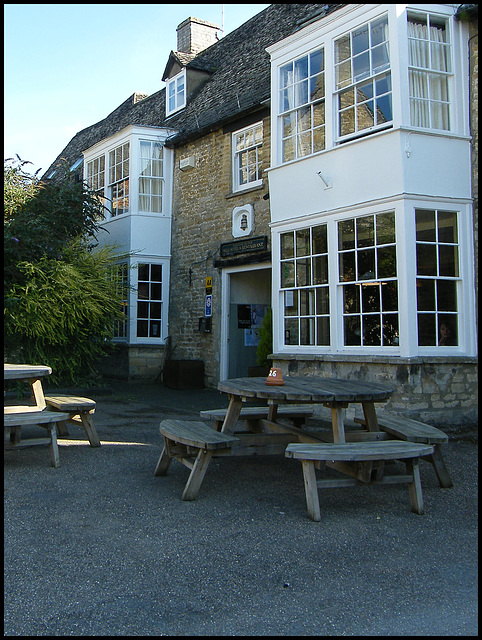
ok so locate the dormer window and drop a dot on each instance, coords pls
(176, 93)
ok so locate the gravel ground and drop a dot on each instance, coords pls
(101, 547)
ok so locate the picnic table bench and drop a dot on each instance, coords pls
(15, 419)
(415, 431)
(352, 454)
(297, 415)
(79, 412)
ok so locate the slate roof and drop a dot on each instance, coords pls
(238, 85)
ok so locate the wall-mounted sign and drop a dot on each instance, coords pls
(244, 246)
(208, 307)
(209, 285)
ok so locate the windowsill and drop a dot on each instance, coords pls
(241, 192)
(439, 133)
(385, 359)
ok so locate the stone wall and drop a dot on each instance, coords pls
(201, 221)
(439, 392)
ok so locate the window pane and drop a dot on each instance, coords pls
(142, 309)
(365, 231)
(371, 331)
(156, 272)
(292, 331)
(385, 224)
(142, 328)
(426, 260)
(425, 295)
(143, 271)
(303, 242)
(390, 331)
(352, 331)
(322, 301)
(387, 262)
(426, 329)
(390, 296)
(370, 297)
(448, 260)
(287, 274)
(287, 245)
(351, 298)
(303, 273)
(320, 270)
(447, 226)
(425, 224)
(156, 291)
(447, 331)
(323, 331)
(346, 235)
(347, 266)
(446, 295)
(154, 329)
(143, 291)
(320, 244)
(366, 264)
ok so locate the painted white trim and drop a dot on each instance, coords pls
(225, 310)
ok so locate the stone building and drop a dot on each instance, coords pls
(227, 176)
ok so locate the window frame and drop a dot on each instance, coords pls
(174, 82)
(151, 177)
(429, 72)
(150, 300)
(406, 278)
(373, 77)
(305, 111)
(236, 153)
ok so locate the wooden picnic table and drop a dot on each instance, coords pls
(16, 416)
(334, 393)
(33, 373)
(358, 454)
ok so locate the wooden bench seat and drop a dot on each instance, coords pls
(79, 411)
(357, 459)
(13, 421)
(414, 431)
(297, 414)
(185, 439)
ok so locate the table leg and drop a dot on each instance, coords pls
(272, 411)
(370, 416)
(232, 415)
(311, 490)
(197, 474)
(38, 393)
(337, 422)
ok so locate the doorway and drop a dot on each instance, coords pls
(246, 298)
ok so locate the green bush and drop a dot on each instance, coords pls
(61, 299)
(61, 314)
(265, 345)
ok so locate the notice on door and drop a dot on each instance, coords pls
(244, 316)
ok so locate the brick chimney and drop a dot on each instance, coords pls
(194, 35)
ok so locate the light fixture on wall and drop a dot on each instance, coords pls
(325, 179)
(242, 221)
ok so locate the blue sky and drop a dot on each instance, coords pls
(67, 66)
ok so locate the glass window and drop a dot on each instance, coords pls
(149, 300)
(176, 93)
(304, 281)
(429, 71)
(119, 179)
(247, 162)
(362, 79)
(121, 276)
(151, 180)
(366, 290)
(437, 277)
(368, 278)
(302, 106)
